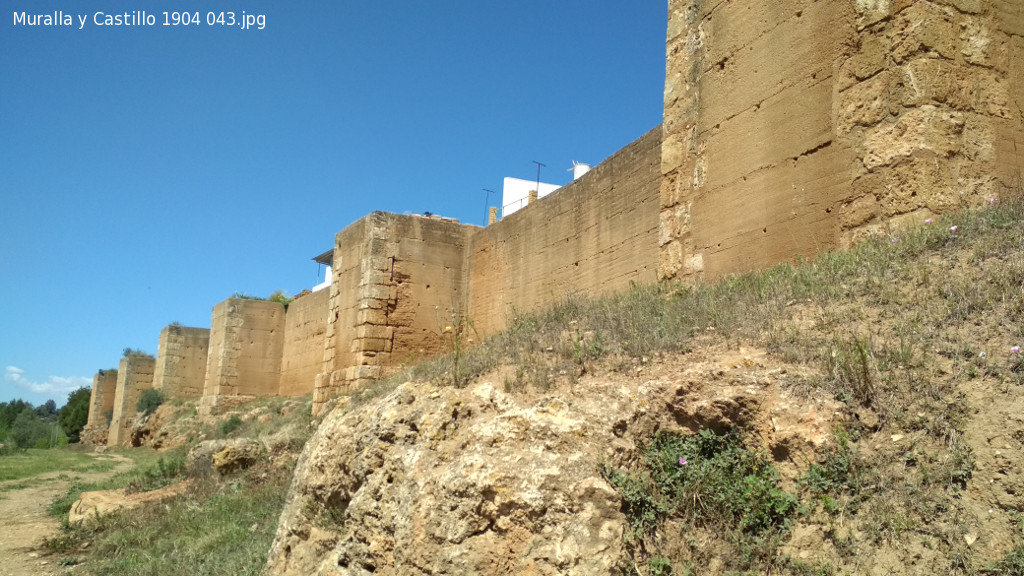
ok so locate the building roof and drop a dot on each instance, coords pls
(327, 258)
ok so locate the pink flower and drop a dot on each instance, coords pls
(928, 221)
(895, 240)
(1015, 349)
(991, 200)
(682, 461)
(953, 228)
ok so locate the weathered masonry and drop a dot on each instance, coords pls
(790, 128)
(797, 126)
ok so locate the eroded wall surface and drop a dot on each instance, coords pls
(798, 126)
(303, 350)
(398, 281)
(134, 375)
(101, 398)
(101, 408)
(246, 344)
(594, 236)
(181, 361)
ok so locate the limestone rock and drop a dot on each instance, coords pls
(237, 455)
(94, 504)
(448, 481)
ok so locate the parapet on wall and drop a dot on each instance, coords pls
(134, 375)
(181, 361)
(798, 126)
(398, 280)
(101, 402)
(303, 351)
(593, 236)
(246, 342)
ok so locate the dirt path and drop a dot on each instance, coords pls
(26, 523)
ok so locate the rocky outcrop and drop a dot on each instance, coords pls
(225, 456)
(93, 505)
(448, 481)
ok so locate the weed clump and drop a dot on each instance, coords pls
(149, 401)
(706, 481)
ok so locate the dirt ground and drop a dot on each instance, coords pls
(26, 524)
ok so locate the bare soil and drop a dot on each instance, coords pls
(26, 521)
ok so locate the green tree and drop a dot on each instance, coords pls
(75, 413)
(47, 410)
(29, 430)
(8, 413)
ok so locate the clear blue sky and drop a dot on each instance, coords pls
(149, 172)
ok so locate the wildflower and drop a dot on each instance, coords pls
(953, 228)
(928, 221)
(1015, 350)
(447, 328)
(682, 461)
(981, 355)
(991, 200)
(896, 240)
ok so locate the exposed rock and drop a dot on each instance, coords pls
(94, 435)
(204, 451)
(448, 481)
(152, 430)
(237, 454)
(94, 504)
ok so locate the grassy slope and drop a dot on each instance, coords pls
(222, 526)
(31, 462)
(912, 331)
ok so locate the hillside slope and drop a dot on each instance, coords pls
(856, 414)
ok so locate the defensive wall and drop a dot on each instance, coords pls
(790, 128)
(798, 126)
(305, 328)
(398, 280)
(101, 407)
(134, 375)
(594, 236)
(181, 361)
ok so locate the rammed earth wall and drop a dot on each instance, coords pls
(305, 328)
(181, 361)
(798, 126)
(398, 281)
(790, 127)
(593, 236)
(134, 376)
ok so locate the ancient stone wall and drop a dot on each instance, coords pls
(246, 344)
(398, 281)
(303, 350)
(101, 407)
(798, 126)
(101, 398)
(134, 376)
(181, 361)
(593, 236)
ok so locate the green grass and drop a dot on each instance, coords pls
(215, 529)
(896, 329)
(33, 461)
(710, 481)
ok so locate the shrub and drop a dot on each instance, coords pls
(149, 401)
(30, 431)
(73, 416)
(706, 479)
(280, 297)
(230, 425)
(1010, 565)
